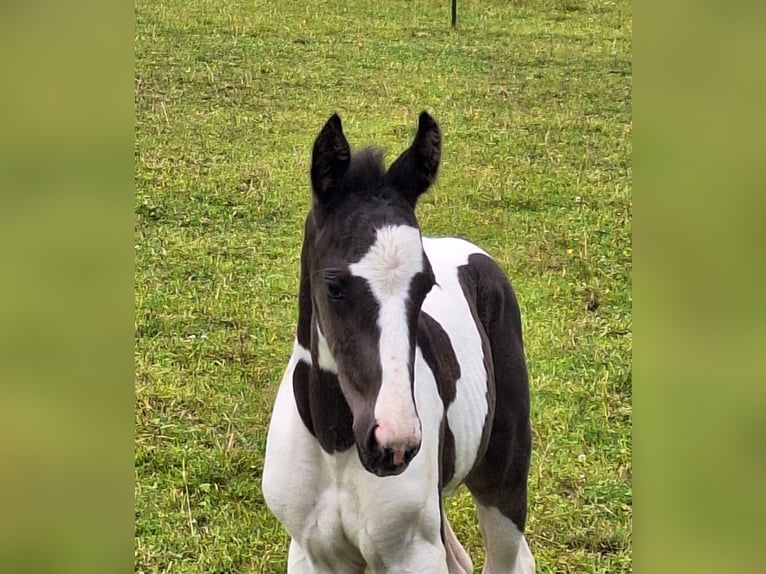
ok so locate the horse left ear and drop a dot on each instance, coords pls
(330, 159)
(415, 170)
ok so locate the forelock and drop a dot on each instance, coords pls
(365, 172)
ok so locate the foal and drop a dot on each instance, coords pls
(407, 378)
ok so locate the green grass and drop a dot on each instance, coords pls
(534, 99)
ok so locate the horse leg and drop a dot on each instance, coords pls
(420, 556)
(499, 482)
(499, 488)
(458, 560)
(298, 562)
(500, 495)
(507, 551)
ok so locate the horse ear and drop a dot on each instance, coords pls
(415, 170)
(329, 160)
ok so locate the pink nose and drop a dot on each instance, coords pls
(399, 443)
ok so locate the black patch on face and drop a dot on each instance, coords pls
(347, 320)
(350, 327)
(318, 397)
(420, 286)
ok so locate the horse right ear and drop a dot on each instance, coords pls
(415, 170)
(329, 160)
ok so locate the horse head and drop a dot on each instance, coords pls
(367, 277)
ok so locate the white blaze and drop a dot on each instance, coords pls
(389, 266)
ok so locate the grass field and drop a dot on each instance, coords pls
(534, 99)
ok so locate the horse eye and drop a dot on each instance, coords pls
(334, 288)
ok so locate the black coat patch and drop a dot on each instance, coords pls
(500, 477)
(322, 407)
(440, 357)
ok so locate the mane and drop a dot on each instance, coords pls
(365, 171)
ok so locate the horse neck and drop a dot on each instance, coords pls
(305, 310)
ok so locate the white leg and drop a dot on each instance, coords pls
(507, 549)
(420, 557)
(524, 561)
(458, 560)
(297, 561)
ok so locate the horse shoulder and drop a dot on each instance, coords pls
(290, 480)
(452, 304)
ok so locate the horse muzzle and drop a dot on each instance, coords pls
(385, 454)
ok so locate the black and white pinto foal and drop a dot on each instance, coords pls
(410, 350)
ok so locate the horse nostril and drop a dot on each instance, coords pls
(388, 452)
(410, 453)
(374, 449)
(401, 456)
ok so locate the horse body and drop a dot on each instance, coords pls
(419, 393)
(340, 516)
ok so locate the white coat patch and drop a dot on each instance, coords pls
(301, 353)
(448, 306)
